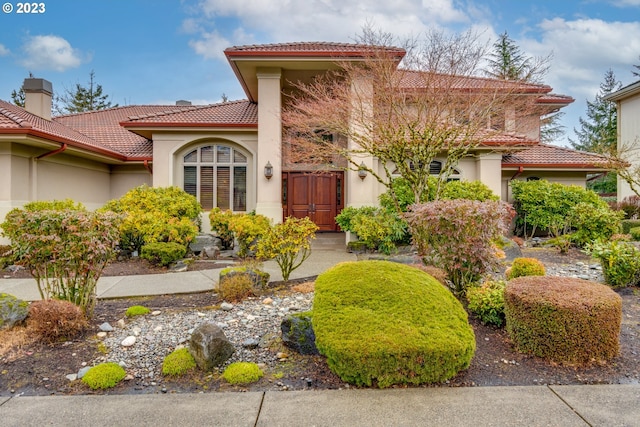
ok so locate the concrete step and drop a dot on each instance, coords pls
(329, 241)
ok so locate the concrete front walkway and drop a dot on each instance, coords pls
(562, 406)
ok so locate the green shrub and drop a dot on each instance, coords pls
(64, 250)
(163, 253)
(104, 375)
(53, 319)
(242, 373)
(525, 267)
(545, 206)
(635, 233)
(375, 227)
(288, 242)
(468, 190)
(631, 207)
(457, 236)
(487, 302)
(563, 319)
(136, 310)
(236, 287)
(247, 228)
(6, 256)
(593, 223)
(219, 221)
(628, 224)
(152, 215)
(54, 205)
(620, 262)
(387, 323)
(178, 362)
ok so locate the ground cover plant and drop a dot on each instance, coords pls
(136, 310)
(384, 323)
(104, 375)
(178, 362)
(242, 373)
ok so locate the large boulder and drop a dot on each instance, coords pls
(12, 310)
(298, 335)
(209, 346)
(202, 241)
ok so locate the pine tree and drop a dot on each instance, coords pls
(18, 97)
(84, 98)
(598, 132)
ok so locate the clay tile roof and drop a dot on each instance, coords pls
(552, 156)
(17, 120)
(554, 98)
(305, 49)
(234, 114)
(418, 79)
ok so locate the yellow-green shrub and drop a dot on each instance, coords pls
(242, 373)
(163, 253)
(288, 242)
(487, 302)
(247, 228)
(136, 310)
(563, 319)
(219, 221)
(387, 323)
(151, 214)
(178, 362)
(525, 267)
(104, 375)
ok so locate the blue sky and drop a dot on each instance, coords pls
(156, 52)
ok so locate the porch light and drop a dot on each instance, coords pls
(362, 171)
(268, 170)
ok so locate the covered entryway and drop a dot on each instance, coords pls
(314, 195)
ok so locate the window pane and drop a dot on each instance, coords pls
(190, 184)
(192, 157)
(240, 188)
(435, 167)
(224, 154)
(223, 187)
(206, 154)
(239, 157)
(206, 187)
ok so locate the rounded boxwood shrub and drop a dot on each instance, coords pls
(487, 302)
(163, 253)
(635, 233)
(178, 362)
(563, 319)
(104, 375)
(136, 310)
(525, 267)
(387, 323)
(242, 373)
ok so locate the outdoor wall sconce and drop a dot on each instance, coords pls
(362, 171)
(268, 170)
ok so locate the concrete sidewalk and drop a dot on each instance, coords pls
(566, 406)
(173, 283)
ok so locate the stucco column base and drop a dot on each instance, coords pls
(271, 210)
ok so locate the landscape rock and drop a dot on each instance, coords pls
(106, 327)
(179, 267)
(202, 241)
(250, 343)
(210, 252)
(71, 377)
(12, 310)
(209, 346)
(83, 371)
(226, 306)
(298, 335)
(128, 341)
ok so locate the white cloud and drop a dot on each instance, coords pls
(313, 20)
(50, 53)
(626, 3)
(3, 50)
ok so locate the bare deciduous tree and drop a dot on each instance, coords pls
(404, 107)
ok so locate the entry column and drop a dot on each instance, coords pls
(269, 199)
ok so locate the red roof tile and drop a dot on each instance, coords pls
(552, 156)
(418, 79)
(227, 114)
(16, 120)
(302, 49)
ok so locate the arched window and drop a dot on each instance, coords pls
(217, 175)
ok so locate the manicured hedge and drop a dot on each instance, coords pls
(563, 319)
(384, 323)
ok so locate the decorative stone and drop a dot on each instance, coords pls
(298, 335)
(83, 371)
(201, 241)
(209, 346)
(128, 341)
(121, 324)
(71, 377)
(210, 252)
(179, 267)
(267, 301)
(12, 310)
(136, 331)
(101, 335)
(226, 306)
(156, 313)
(106, 327)
(250, 343)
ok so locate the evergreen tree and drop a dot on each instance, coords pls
(598, 132)
(84, 98)
(508, 62)
(18, 97)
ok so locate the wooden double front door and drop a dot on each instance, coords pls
(318, 196)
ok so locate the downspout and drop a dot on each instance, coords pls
(147, 166)
(515, 175)
(62, 148)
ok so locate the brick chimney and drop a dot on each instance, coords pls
(38, 95)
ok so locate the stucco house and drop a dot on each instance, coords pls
(230, 154)
(627, 100)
